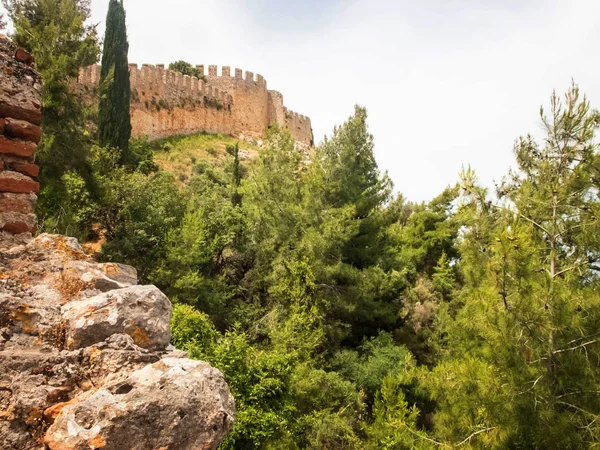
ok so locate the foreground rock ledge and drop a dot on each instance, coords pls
(85, 361)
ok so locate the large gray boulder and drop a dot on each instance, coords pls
(182, 404)
(142, 312)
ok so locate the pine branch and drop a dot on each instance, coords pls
(568, 269)
(578, 393)
(475, 434)
(577, 408)
(576, 347)
(503, 208)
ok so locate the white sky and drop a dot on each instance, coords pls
(447, 83)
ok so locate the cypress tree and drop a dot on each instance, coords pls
(236, 198)
(114, 126)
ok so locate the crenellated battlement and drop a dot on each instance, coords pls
(298, 125)
(161, 81)
(221, 100)
(295, 116)
(225, 72)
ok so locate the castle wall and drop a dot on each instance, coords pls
(250, 99)
(20, 118)
(164, 123)
(276, 108)
(300, 127)
(166, 103)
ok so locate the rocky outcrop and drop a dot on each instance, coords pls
(143, 312)
(178, 395)
(85, 361)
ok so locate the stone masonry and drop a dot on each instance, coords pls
(20, 118)
(166, 103)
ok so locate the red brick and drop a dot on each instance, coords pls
(28, 169)
(17, 228)
(1, 165)
(18, 203)
(18, 112)
(22, 130)
(17, 148)
(23, 56)
(19, 186)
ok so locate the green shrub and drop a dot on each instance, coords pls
(192, 331)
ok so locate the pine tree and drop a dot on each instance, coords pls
(114, 126)
(352, 178)
(523, 347)
(350, 169)
(236, 198)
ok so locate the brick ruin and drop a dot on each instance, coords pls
(166, 103)
(20, 118)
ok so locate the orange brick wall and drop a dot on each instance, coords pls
(20, 118)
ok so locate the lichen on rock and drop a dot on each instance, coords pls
(180, 395)
(142, 312)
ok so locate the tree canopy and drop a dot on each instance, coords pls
(185, 68)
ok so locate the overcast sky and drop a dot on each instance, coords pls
(447, 83)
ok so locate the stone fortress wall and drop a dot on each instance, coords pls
(166, 103)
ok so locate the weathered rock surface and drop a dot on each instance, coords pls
(85, 362)
(143, 312)
(188, 398)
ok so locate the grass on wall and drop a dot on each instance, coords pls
(179, 154)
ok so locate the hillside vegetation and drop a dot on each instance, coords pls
(344, 316)
(179, 155)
